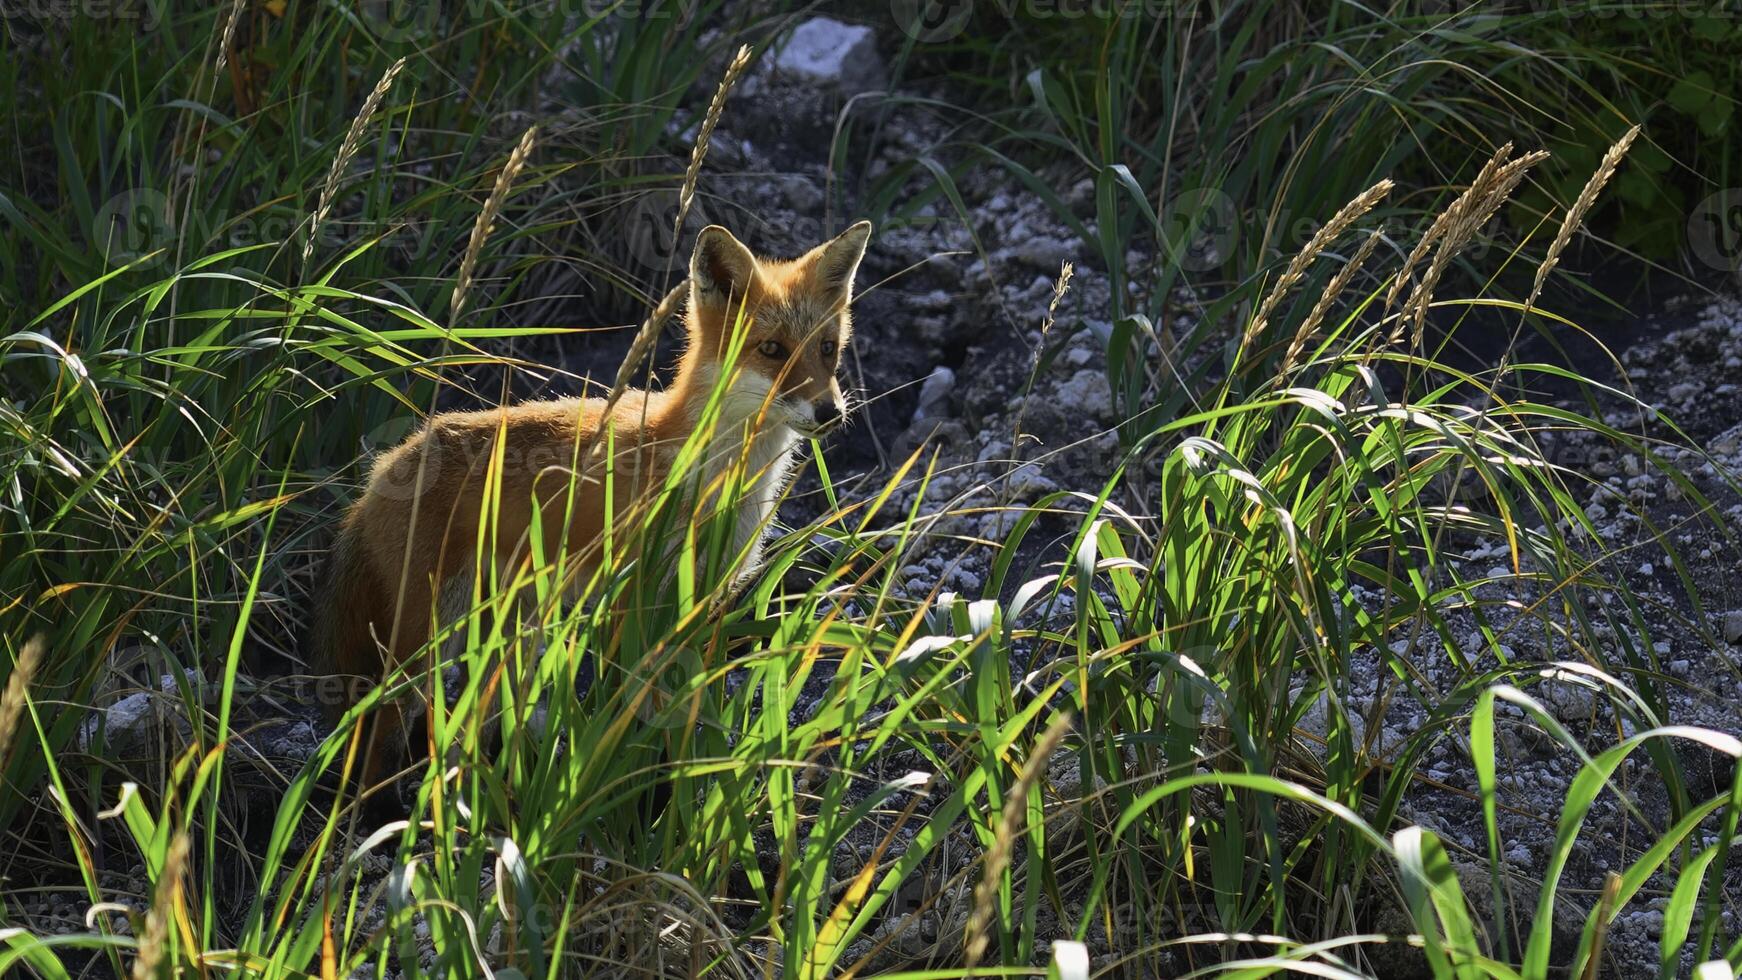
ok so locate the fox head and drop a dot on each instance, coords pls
(796, 320)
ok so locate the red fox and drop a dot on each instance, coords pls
(406, 544)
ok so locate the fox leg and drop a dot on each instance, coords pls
(393, 743)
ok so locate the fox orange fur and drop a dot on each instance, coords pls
(413, 533)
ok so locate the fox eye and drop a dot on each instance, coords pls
(828, 348)
(773, 348)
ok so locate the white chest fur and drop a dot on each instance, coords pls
(767, 464)
(750, 429)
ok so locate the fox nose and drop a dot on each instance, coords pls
(827, 413)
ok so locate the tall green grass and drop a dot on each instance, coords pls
(827, 774)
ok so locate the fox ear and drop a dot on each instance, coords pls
(720, 267)
(836, 261)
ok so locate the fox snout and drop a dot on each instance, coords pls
(827, 412)
(826, 408)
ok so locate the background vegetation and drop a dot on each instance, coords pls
(240, 248)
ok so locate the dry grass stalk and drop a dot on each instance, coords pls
(1333, 289)
(1576, 214)
(1469, 213)
(1330, 232)
(17, 692)
(227, 36)
(348, 151)
(716, 107)
(642, 345)
(1060, 286)
(1442, 222)
(487, 218)
(1003, 842)
(168, 892)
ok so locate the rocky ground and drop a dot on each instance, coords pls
(946, 360)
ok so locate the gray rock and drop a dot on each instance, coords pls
(934, 301)
(935, 330)
(1733, 626)
(132, 724)
(1087, 393)
(1028, 479)
(934, 394)
(1044, 253)
(828, 52)
(1729, 441)
(802, 194)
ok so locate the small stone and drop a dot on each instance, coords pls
(1088, 393)
(1733, 626)
(802, 194)
(825, 50)
(934, 394)
(1044, 253)
(935, 301)
(1028, 479)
